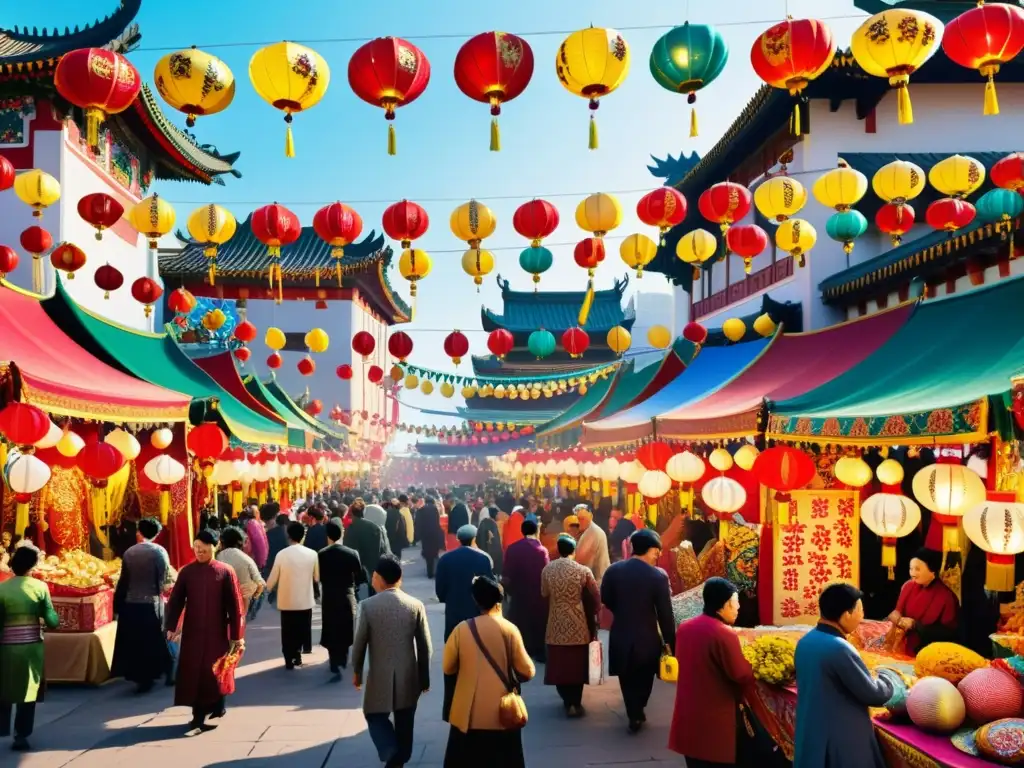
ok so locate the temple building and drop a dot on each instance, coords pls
(851, 117)
(137, 148)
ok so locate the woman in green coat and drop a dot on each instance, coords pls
(24, 601)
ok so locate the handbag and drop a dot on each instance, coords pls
(512, 708)
(596, 671)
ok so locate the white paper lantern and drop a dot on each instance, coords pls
(260, 472)
(746, 456)
(720, 459)
(723, 494)
(223, 473)
(550, 467)
(948, 490)
(891, 516)
(685, 467)
(164, 470)
(631, 472)
(610, 470)
(161, 438)
(70, 445)
(53, 436)
(570, 468)
(998, 528)
(125, 442)
(654, 484)
(25, 475)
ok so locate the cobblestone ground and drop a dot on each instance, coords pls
(280, 719)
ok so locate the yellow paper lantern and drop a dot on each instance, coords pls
(658, 336)
(125, 442)
(290, 77)
(599, 214)
(898, 182)
(746, 456)
(477, 263)
(894, 44)
(853, 471)
(317, 341)
(411, 381)
(638, 251)
(37, 189)
(426, 387)
(152, 218)
(841, 188)
(721, 460)
(211, 226)
(70, 445)
(446, 389)
(161, 438)
(780, 197)
(275, 339)
(396, 373)
(948, 490)
(796, 237)
(889, 472)
(696, 247)
(723, 494)
(194, 82)
(957, 176)
(998, 528)
(764, 325)
(472, 222)
(414, 264)
(734, 329)
(469, 391)
(591, 63)
(618, 339)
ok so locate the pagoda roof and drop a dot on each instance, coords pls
(24, 51)
(557, 311)
(242, 268)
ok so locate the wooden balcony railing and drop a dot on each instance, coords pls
(749, 286)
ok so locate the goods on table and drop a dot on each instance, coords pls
(934, 704)
(77, 569)
(772, 659)
(1014, 623)
(896, 707)
(991, 694)
(1002, 741)
(949, 661)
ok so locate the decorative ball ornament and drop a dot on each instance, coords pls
(746, 456)
(747, 241)
(618, 340)
(152, 218)
(685, 468)
(592, 63)
(853, 471)
(161, 439)
(181, 302)
(934, 704)
(344, 372)
(375, 374)
(306, 366)
(214, 320)
(599, 214)
(764, 325)
(894, 44)
(779, 198)
(734, 329)
(195, 83)
(456, 346)
(957, 176)
(69, 258)
(949, 491)
(659, 337)
(721, 460)
(984, 38)
(147, 292)
(998, 529)
(724, 495)
(796, 237)
(687, 59)
(663, 208)
(99, 81)
(426, 387)
(990, 694)
(274, 361)
(724, 204)
(637, 251)
(889, 472)
(245, 332)
(317, 341)
(101, 211)
(494, 68)
(107, 278)
(446, 389)
(895, 220)
(291, 78)
(38, 190)
(411, 381)
(337, 225)
(275, 339)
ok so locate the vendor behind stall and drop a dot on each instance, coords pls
(927, 609)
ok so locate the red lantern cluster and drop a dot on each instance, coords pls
(101, 211)
(725, 203)
(108, 279)
(99, 81)
(747, 241)
(363, 344)
(663, 208)
(23, 424)
(535, 220)
(895, 220)
(306, 366)
(494, 67)
(405, 221)
(337, 225)
(575, 341)
(147, 292)
(68, 257)
(500, 342)
(589, 253)
(984, 38)
(783, 469)
(400, 345)
(456, 346)
(949, 214)
(8, 260)
(344, 371)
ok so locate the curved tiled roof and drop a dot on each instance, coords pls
(21, 47)
(526, 311)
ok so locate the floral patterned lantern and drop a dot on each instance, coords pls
(99, 81)
(494, 67)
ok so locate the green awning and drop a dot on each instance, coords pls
(261, 393)
(282, 398)
(931, 382)
(156, 358)
(573, 415)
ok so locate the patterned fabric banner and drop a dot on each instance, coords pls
(820, 546)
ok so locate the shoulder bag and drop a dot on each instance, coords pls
(512, 708)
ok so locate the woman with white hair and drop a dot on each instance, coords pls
(592, 546)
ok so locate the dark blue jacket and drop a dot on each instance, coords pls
(639, 598)
(454, 582)
(277, 540)
(316, 537)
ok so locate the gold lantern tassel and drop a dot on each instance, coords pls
(289, 142)
(693, 122)
(165, 505)
(93, 118)
(889, 556)
(588, 301)
(593, 133)
(495, 135)
(904, 109)
(212, 273)
(652, 514)
(991, 100)
(392, 140)
(999, 573)
(795, 120)
(21, 519)
(37, 274)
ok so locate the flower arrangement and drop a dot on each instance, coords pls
(772, 659)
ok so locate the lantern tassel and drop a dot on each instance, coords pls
(93, 118)
(21, 519)
(337, 271)
(693, 122)
(392, 140)
(904, 109)
(795, 121)
(37, 274)
(165, 506)
(593, 133)
(991, 100)
(588, 300)
(289, 142)
(999, 573)
(212, 272)
(495, 135)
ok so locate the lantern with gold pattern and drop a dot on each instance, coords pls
(591, 63)
(290, 77)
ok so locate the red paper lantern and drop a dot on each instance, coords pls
(100, 210)
(68, 257)
(7, 174)
(1008, 172)
(274, 361)
(275, 226)
(792, 53)
(984, 38)
(949, 214)
(147, 291)
(51, 457)
(527, 430)
(344, 371)
(663, 208)
(243, 354)
(337, 225)
(107, 279)
(575, 341)
(588, 253)
(747, 241)
(895, 220)
(695, 332)
(400, 345)
(306, 366)
(654, 456)
(99, 81)
(375, 374)
(405, 221)
(494, 67)
(535, 220)
(99, 461)
(23, 424)
(206, 442)
(783, 469)
(245, 332)
(36, 240)
(500, 342)
(456, 346)
(363, 344)
(725, 203)
(389, 73)
(181, 301)
(8, 260)
(314, 408)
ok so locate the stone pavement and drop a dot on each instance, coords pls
(280, 719)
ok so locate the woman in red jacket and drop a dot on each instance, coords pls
(712, 676)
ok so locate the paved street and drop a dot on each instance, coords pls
(280, 719)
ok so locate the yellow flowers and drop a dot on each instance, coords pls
(772, 659)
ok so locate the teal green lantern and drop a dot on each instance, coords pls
(999, 206)
(688, 58)
(541, 343)
(845, 227)
(536, 260)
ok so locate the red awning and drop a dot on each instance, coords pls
(64, 379)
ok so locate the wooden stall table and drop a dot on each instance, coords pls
(79, 657)
(905, 746)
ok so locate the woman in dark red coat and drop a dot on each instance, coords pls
(712, 676)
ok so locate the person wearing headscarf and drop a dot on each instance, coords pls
(713, 675)
(455, 573)
(927, 609)
(592, 546)
(489, 539)
(573, 602)
(376, 514)
(524, 562)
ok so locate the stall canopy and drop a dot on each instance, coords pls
(64, 379)
(258, 392)
(930, 383)
(791, 365)
(157, 358)
(712, 367)
(282, 397)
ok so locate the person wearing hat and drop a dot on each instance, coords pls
(637, 593)
(455, 573)
(592, 543)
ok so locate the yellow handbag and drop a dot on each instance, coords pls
(668, 670)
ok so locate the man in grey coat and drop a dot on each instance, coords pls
(393, 626)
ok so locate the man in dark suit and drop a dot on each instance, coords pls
(340, 574)
(429, 534)
(277, 540)
(455, 573)
(366, 538)
(637, 593)
(316, 535)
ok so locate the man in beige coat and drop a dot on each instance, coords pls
(393, 626)
(592, 547)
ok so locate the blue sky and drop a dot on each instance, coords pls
(443, 136)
